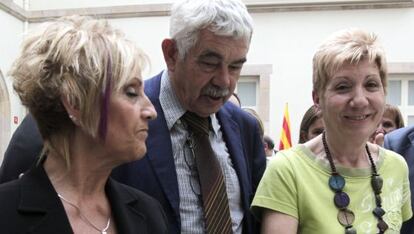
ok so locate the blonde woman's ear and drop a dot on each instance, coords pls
(73, 113)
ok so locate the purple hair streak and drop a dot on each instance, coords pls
(105, 96)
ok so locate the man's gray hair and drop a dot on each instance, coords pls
(222, 17)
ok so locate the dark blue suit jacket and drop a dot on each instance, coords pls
(155, 174)
(25, 145)
(402, 142)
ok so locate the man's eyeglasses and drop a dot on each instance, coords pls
(190, 161)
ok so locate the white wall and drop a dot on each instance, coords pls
(148, 32)
(19, 3)
(62, 4)
(12, 29)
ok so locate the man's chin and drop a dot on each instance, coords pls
(207, 106)
(213, 101)
(205, 112)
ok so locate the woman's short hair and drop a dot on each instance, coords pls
(347, 46)
(398, 119)
(254, 113)
(222, 17)
(81, 59)
(310, 116)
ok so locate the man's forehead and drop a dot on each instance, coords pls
(209, 53)
(212, 54)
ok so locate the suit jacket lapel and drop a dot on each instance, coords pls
(405, 147)
(231, 134)
(128, 217)
(411, 138)
(41, 205)
(159, 147)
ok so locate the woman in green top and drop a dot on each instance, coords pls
(338, 182)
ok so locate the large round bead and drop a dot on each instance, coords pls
(346, 217)
(336, 183)
(341, 200)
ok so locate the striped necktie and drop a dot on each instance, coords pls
(213, 187)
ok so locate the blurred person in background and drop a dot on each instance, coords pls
(391, 120)
(311, 125)
(234, 98)
(256, 116)
(269, 146)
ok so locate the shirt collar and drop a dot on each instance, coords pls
(172, 108)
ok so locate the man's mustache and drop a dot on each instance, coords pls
(215, 91)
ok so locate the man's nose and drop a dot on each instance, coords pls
(222, 77)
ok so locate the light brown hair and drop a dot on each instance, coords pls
(352, 46)
(310, 116)
(398, 119)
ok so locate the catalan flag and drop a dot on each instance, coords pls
(285, 141)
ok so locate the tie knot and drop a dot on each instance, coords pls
(196, 123)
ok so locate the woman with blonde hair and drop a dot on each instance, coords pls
(81, 81)
(339, 182)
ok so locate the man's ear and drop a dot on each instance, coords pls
(170, 51)
(71, 109)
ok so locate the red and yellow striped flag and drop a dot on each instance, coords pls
(285, 141)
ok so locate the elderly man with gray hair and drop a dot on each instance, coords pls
(205, 156)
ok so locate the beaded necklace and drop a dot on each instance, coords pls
(336, 182)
